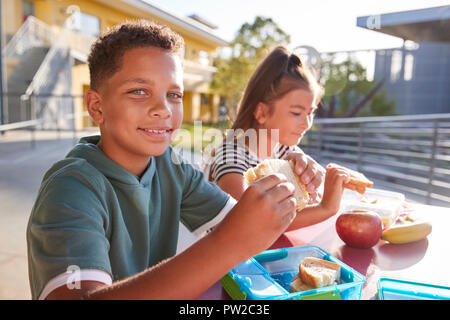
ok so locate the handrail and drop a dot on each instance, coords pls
(418, 117)
(61, 44)
(20, 125)
(41, 76)
(32, 30)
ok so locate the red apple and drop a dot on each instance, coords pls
(359, 228)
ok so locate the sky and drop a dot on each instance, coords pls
(326, 25)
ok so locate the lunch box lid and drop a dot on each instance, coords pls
(398, 289)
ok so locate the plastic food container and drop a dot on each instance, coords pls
(394, 289)
(267, 276)
(387, 204)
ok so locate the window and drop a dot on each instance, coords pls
(86, 24)
(204, 99)
(203, 58)
(396, 65)
(409, 67)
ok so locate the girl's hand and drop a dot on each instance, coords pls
(262, 214)
(334, 187)
(310, 172)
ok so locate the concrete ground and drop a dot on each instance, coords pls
(21, 171)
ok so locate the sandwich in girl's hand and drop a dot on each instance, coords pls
(285, 167)
(358, 181)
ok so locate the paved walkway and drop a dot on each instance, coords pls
(21, 171)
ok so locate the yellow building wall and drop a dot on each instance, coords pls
(187, 106)
(54, 13)
(80, 84)
(11, 17)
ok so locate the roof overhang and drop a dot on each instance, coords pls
(423, 25)
(191, 27)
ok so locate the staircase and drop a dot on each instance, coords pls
(40, 73)
(20, 79)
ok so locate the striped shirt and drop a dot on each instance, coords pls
(234, 157)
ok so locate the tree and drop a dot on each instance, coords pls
(250, 45)
(348, 93)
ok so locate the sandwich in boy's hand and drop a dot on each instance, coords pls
(285, 167)
(315, 273)
(358, 181)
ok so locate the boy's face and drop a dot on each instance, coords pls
(141, 104)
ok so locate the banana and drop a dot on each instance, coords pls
(410, 228)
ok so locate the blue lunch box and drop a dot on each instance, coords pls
(267, 276)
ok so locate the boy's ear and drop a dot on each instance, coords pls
(260, 113)
(94, 106)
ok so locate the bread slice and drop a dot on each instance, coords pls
(358, 181)
(298, 285)
(285, 167)
(319, 273)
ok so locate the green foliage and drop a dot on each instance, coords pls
(379, 106)
(250, 45)
(254, 41)
(348, 93)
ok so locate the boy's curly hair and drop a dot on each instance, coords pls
(107, 51)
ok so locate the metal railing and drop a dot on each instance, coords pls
(35, 33)
(60, 48)
(49, 112)
(56, 53)
(410, 154)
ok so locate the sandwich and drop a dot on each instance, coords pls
(285, 167)
(319, 273)
(297, 285)
(358, 181)
(315, 273)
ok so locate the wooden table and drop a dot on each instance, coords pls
(426, 260)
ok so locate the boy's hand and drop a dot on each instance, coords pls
(263, 212)
(310, 172)
(334, 187)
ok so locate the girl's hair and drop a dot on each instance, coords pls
(279, 73)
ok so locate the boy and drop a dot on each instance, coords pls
(105, 222)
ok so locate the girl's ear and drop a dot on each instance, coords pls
(261, 113)
(93, 102)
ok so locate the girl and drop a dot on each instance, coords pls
(276, 110)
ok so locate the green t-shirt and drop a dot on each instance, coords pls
(92, 213)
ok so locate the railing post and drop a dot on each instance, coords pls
(432, 160)
(33, 137)
(319, 154)
(33, 117)
(360, 145)
(74, 119)
(22, 98)
(58, 116)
